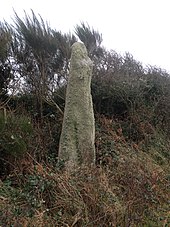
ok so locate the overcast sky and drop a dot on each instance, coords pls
(140, 27)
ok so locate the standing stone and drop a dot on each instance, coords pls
(78, 130)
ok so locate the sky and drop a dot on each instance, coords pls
(140, 27)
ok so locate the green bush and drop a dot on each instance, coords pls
(15, 133)
(123, 89)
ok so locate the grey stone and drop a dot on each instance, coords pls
(78, 129)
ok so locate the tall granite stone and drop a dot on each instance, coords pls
(78, 130)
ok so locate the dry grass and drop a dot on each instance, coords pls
(134, 193)
(127, 187)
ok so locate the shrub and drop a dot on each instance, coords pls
(15, 135)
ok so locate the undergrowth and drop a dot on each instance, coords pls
(128, 187)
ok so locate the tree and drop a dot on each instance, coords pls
(5, 66)
(42, 55)
(91, 38)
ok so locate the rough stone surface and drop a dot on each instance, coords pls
(78, 130)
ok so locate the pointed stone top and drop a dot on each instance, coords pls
(79, 48)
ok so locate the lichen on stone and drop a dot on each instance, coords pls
(78, 130)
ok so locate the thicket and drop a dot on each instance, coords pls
(130, 184)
